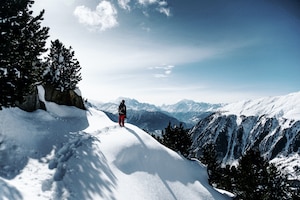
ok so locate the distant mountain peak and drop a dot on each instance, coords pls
(186, 101)
(287, 106)
(187, 105)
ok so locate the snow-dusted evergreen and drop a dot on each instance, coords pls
(63, 71)
(255, 178)
(22, 42)
(176, 138)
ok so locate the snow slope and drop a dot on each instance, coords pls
(287, 106)
(67, 153)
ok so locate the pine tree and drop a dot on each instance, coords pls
(168, 138)
(257, 179)
(252, 176)
(63, 70)
(277, 184)
(21, 45)
(183, 141)
(177, 139)
(209, 157)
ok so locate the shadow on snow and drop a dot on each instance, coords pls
(80, 172)
(139, 158)
(83, 172)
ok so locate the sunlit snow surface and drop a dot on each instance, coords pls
(287, 106)
(68, 153)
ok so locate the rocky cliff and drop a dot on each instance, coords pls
(233, 135)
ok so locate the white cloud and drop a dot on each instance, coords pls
(105, 14)
(165, 11)
(162, 3)
(124, 4)
(164, 71)
(162, 6)
(104, 17)
(147, 2)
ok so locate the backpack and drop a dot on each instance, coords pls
(122, 109)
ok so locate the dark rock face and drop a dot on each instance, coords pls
(32, 102)
(234, 135)
(69, 97)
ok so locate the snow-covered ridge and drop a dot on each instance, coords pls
(66, 154)
(287, 106)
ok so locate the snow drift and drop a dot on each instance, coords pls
(68, 153)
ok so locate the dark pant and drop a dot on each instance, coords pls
(121, 120)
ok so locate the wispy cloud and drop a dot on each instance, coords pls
(124, 4)
(147, 2)
(165, 11)
(102, 18)
(160, 6)
(162, 71)
(163, 3)
(145, 28)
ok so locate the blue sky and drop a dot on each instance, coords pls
(159, 52)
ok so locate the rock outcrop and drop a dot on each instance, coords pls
(33, 102)
(68, 97)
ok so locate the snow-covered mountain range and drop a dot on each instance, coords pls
(155, 118)
(287, 106)
(271, 124)
(183, 106)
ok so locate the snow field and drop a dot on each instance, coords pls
(67, 153)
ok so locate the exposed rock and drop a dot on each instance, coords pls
(32, 102)
(234, 135)
(68, 97)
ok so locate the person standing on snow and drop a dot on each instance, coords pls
(122, 113)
